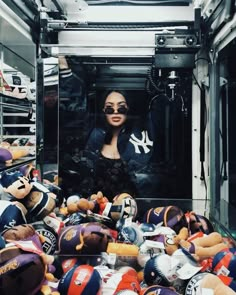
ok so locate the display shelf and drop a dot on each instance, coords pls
(16, 164)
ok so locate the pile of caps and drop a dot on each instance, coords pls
(53, 245)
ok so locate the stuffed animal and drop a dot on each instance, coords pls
(15, 184)
(87, 238)
(203, 247)
(171, 216)
(211, 281)
(100, 202)
(123, 206)
(37, 199)
(80, 279)
(8, 155)
(11, 214)
(198, 223)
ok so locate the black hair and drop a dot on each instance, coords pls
(103, 120)
(107, 92)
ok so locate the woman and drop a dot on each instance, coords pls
(121, 145)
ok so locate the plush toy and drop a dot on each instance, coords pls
(166, 270)
(170, 216)
(131, 233)
(38, 200)
(11, 214)
(17, 266)
(122, 253)
(87, 238)
(169, 238)
(157, 289)
(26, 232)
(15, 184)
(99, 201)
(198, 223)
(123, 206)
(224, 262)
(209, 281)
(7, 155)
(123, 280)
(82, 279)
(203, 247)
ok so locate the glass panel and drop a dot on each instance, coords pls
(50, 117)
(152, 157)
(18, 115)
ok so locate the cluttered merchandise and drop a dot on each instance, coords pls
(94, 246)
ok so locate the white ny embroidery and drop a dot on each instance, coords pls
(144, 142)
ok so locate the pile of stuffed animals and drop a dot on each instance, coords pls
(55, 244)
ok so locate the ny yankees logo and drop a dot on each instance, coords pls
(144, 142)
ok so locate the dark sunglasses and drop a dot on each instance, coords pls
(121, 110)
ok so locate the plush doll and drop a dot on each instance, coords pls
(15, 184)
(37, 199)
(203, 247)
(26, 232)
(122, 254)
(211, 281)
(22, 272)
(11, 214)
(171, 216)
(80, 279)
(123, 206)
(198, 223)
(87, 238)
(17, 235)
(123, 280)
(100, 202)
(7, 155)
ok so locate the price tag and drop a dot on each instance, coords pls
(28, 246)
(223, 271)
(112, 259)
(154, 244)
(187, 271)
(40, 187)
(206, 291)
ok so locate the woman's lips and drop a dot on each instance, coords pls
(116, 119)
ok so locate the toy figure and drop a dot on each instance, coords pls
(37, 199)
(7, 155)
(87, 238)
(11, 214)
(204, 247)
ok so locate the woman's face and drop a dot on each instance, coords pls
(115, 109)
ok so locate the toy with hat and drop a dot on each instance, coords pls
(36, 198)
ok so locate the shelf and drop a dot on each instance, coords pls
(16, 164)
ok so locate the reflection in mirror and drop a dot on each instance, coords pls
(50, 117)
(17, 115)
(124, 127)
